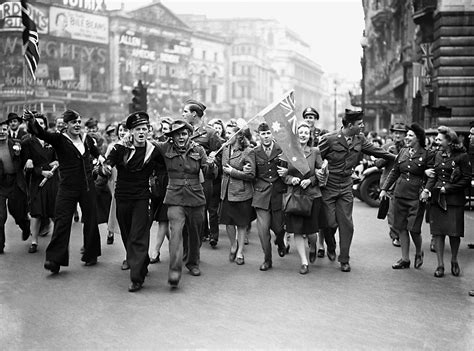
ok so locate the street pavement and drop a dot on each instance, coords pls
(239, 307)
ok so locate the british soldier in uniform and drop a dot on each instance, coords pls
(342, 148)
(208, 138)
(311, 115)
(399, 131)
(408, 175)
(267, 196)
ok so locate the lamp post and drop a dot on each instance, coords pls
(364, 43)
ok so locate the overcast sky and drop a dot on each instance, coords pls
(332, 28)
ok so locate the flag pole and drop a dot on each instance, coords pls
(237, 132)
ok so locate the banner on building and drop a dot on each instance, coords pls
(77, 25)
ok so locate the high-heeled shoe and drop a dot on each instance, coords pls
(455, 270)
(233, 253)
(240, 260)
(439, 272)
(419, 260)
(401, 264)
(304, 269)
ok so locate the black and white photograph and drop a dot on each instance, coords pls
(237, 175)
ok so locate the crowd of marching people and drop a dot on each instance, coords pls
(191, 175)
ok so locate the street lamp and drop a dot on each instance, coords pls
(364, 43)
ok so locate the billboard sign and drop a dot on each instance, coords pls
(10, 17)
(77, 25)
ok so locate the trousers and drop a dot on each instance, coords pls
(66, 203)
(16, 203)
(193, 217)
(338, 203)
(266, 220)
(133, 219)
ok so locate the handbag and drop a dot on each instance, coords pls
(383, 208)
(297, 203)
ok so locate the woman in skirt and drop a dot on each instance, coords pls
(305, 228)
(236, 210)
(159, 211)
(409, 175)
(452, 175)
(39, 160)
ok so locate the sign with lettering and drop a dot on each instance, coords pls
(88, 5)
(78, 25)
(10, 17)
(129, 39)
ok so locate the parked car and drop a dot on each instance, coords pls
(366, 183)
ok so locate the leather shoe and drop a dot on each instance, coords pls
(471, 292)
(156, 259)
(265, 266)
(332, 255)
(439, 272)
(134, 286)
(321, 253)
(455, 270)
(288, 248)
(91, 262)
(432, 248)
(470, 246)
(213, 243)
(419, 260)
(396, 242)
(195, 271)
(33, 248)
(52, 266)
(173, 278)
(233, 253)
(240, 260)
(312, 256)
(401, 264)
(345, 267)
(110, 238)
(304, 269)
(125, 266)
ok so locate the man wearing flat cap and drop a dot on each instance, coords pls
(208, 138)
(399, 132)
(342, 148)
(135, 162)
(185, 160)
(76, 185)
(310, 115)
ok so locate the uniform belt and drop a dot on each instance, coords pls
(181, 181)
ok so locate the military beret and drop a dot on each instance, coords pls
(70, 115)
(137, 118)
(310, 111)
(91, 122)
(177, 125)
(398, 127)
(419, 132)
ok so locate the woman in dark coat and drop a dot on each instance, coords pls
(452, 175)
(236, 210)
(38, 159)
(408, 174)
(305, 228)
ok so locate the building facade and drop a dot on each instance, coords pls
(418, 63)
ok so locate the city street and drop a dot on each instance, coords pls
(239, 307)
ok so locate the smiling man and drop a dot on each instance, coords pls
(135, 163)
(75, 186)
(342, 148)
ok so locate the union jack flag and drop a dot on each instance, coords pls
(427, 56)
(30, 39)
